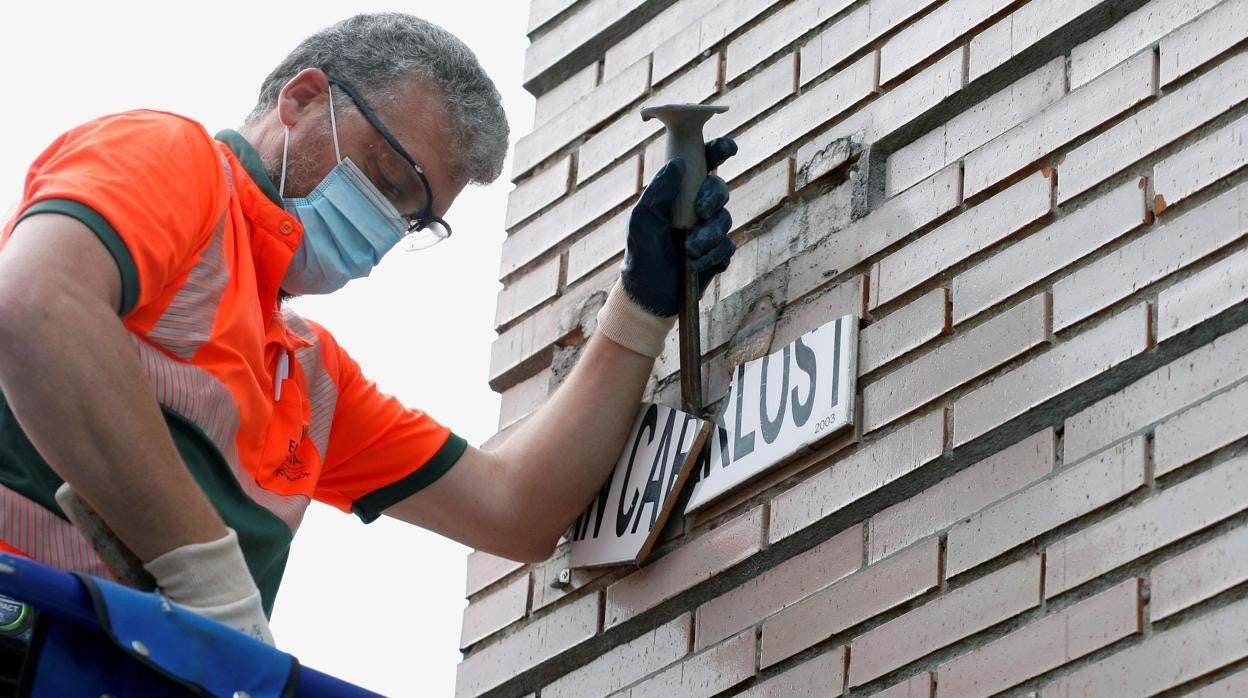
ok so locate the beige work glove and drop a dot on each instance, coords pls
(212, 580)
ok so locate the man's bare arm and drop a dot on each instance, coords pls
(78, 390)
(517, 501)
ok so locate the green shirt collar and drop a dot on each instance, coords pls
(250, 159)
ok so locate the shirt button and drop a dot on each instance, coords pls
(286, 227)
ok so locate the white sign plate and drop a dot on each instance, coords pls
(622, 523)
(778, 405)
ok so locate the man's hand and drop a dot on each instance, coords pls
(649, 272)
(211, 579)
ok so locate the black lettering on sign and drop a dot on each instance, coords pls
(805, 358)
(743, 444)
(597, 508)
(653, 493)
(649, 421)
(771, 427)
(704, 458)
(681, 452)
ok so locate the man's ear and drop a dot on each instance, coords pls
(305, 93)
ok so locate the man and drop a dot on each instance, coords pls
(145, 357)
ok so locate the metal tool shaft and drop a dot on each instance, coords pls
(684, 140)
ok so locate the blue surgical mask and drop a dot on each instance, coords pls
(347, 226)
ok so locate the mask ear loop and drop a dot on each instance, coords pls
(281, 188)
(333, 124)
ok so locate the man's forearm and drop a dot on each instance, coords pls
(79, 393)
(561, 456)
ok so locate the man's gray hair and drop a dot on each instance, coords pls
(371, 51)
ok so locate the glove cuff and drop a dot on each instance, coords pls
(631, 326)
(204, 574)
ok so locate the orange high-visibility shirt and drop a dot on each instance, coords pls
(202, 243)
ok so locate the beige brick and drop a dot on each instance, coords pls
(969, 129)
(523, 398)
(1046, 644)
(1167, 516)
(491, 612)
(713, 26)
(484, 569)
(1200, 297)
(759, 195)
(1201, 429)
(1169, 389)
(936, 30)
(961, 495)
(703, 675)
(821, 677)
(966, 356)
(1163, 660)
(781, 586)
(536, 642)
(974, 230)
(578, 210)
(625, 664)
(538, 191)
(776, 32)
(850, 478)
(832, 46)
(1155, 126)
(918, 686)
(1060, 123)
(642, 41)
(598, 246)
(693, 563)
(560, 97)
(850, 602)
(1129, 36)
(1216, 31)
(1045, 506)
(1021, 30)
(542, 11)
(527, 291)
(1200, 164)
(1200, 573)
(1063, 242)
(1150, 257)
(583, 115)
(589, 21)
(846, 298)
(945, 620)
(912, 98)
(892, 222)
(761, 92)
(1062, 367)
(547, 588)
(912, 326)
(1232, 686)
(628, 131)
(808, 112)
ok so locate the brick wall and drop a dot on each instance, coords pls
(1038, 208)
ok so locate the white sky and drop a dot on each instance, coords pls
(378, 605)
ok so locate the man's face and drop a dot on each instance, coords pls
(417, 119)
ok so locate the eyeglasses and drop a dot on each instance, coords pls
(425, 229)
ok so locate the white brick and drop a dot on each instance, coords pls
(1199, 42)
(1048, 250)
(938, 29)
(1155, 126)
(1129, 36)
(1200, 164)
(777, 31)
(587, 112)
(542, 11)
(974, 127)
(629, 130)
(527, 291)
(1021, 30)
(1065, 120)
(838, 42)
(714, 25)
(1150, 257)
(642, 41)
(1198, 298)
(553, 102)
(906, 101)
(761, 92)
(601, 244)
(538, 191)
(909, 328)
(592, 19)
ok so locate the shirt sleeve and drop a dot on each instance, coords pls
(379, 452)
(150, 185)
